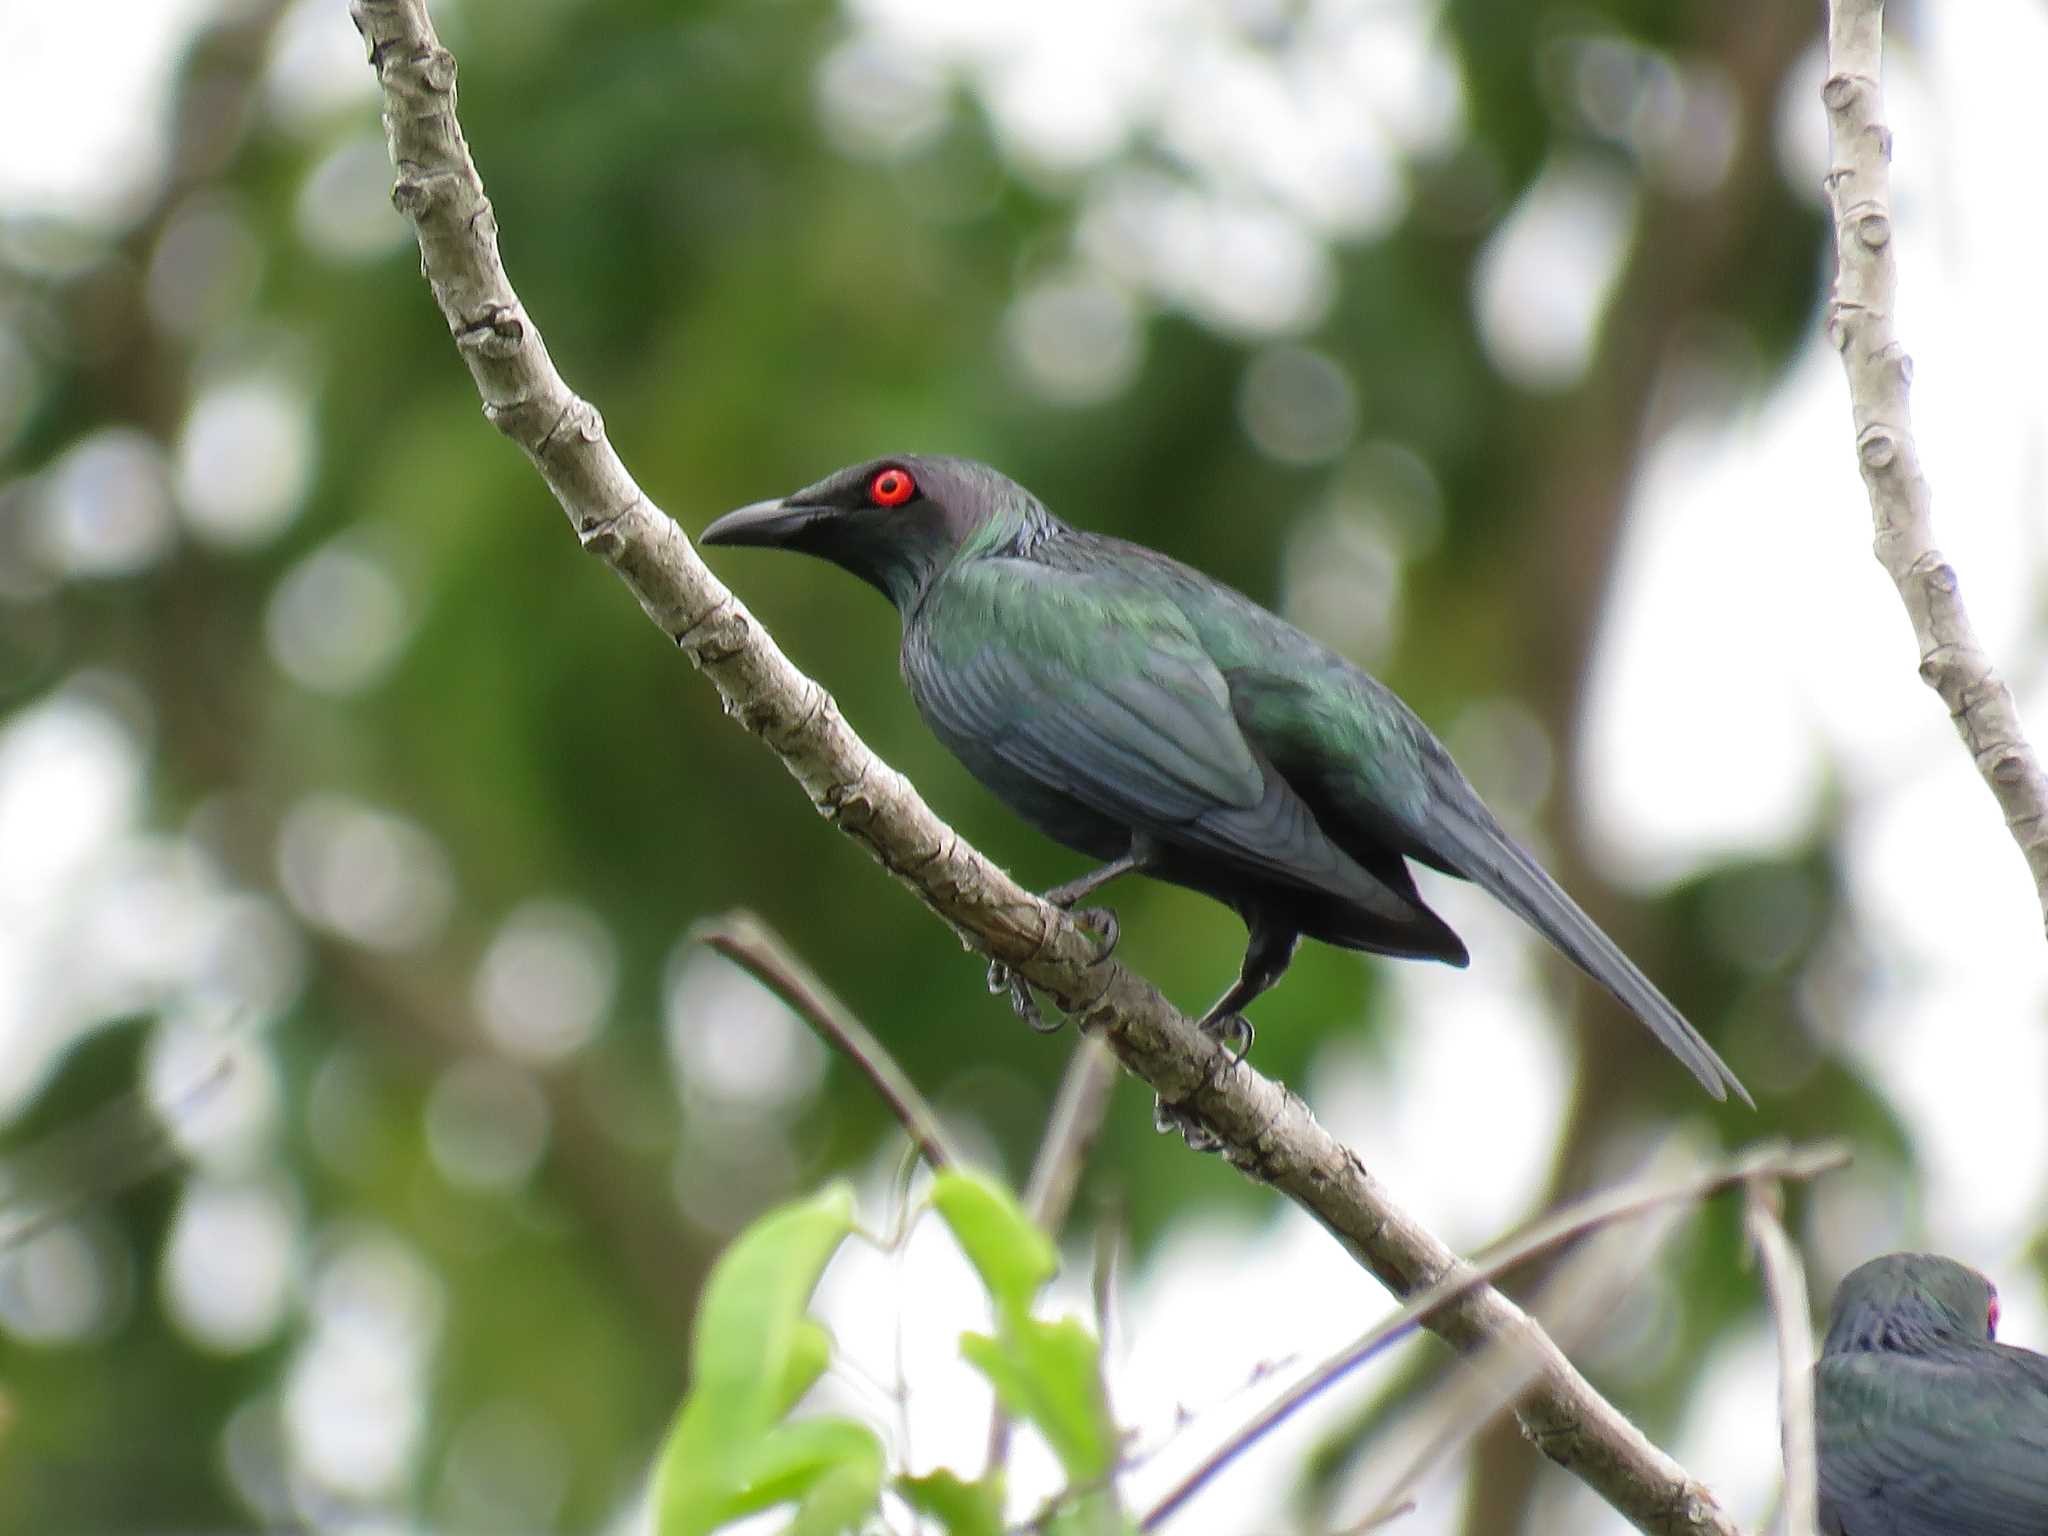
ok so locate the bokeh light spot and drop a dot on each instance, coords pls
(733, 1041)
(344, 208)
(204, 269)
(315, 71)
(215, 1090)
(56, 1286)
(487, 1125)
(366, 874)
(355, 1395)
(228, 1266)
(1075, 339)
(106, 505)
(1298, 406)
(245, 458)
(878, 101)
(506, 1470)
(338, 620)
(546, 980)
(1544, 278)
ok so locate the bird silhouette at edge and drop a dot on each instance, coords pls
(1139, 712)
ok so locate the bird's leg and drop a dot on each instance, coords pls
(1099, 920)
(1266, 959)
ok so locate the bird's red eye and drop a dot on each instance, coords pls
(891, 488)
(1991, 1318)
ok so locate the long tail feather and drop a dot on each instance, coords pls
(1483, 853)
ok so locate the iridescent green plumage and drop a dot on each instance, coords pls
(1132, 708)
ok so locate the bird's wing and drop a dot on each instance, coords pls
(1933, 1446)
(1378, 778)
(1104, 693)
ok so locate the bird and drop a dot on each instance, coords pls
(1160, 722)
(1925, 1424)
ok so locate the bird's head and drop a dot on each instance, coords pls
(894, 522)
(1903, 1302)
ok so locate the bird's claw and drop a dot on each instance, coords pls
(1102, 923)
(1002, 979)
(1235, 1032)
(1175, 1118)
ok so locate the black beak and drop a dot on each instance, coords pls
(765, 523)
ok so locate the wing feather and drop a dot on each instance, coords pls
(1932, 1447)
(1108, 696)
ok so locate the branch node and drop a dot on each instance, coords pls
(1840, 90)
(692, 639)
(496, 332)
(2007, 766)
(1942, 662)
(1876, 446)
(578, 420)
(413, 193)
(437, 71)
(600, 533)
(1935, 573)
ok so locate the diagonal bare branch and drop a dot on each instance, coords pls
(1640, 1198)
(1953, 661)
(1261, 1127)
(751, 944)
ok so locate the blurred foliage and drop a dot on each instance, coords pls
(382, 713)
(757, 1351)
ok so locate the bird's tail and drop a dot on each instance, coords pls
(1483, 853)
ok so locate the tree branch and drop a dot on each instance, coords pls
(758, 950)
(1641, 1198)
(1264, 1130)
(1952, 661)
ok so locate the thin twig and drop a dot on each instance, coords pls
(123, 1142)
(1261, 1128)
(1769, 1160)
(1077, 1112)
(1953, 661)
(1578, 1298)
(1380, 1519)
(1785, 1284)
(1077, 1115)
(758, 950)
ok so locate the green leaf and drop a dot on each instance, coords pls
(1007, 1249)
(831, 1468)
(964, 1508)
(755, 1351)
(1050, 1374)
(840, 1502)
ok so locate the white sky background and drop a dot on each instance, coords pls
(1755, 650)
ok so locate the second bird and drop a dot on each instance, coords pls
(1143, 714)
(1925, 1424)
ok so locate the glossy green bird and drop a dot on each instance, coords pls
(1141, 713)
(1926, 1425)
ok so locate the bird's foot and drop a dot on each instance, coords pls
(1177, 1118)
(1002, 979)
(1234, 1031)
(1101, 922)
